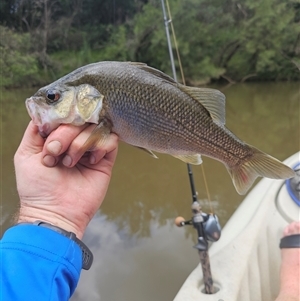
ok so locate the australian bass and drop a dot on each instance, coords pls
(148, 109)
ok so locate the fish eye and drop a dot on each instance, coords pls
(52, 96)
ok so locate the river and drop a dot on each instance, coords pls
(138, 252)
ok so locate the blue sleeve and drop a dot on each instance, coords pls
(38, 264)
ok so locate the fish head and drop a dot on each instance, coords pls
(53, 105)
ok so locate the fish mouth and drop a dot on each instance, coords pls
(44, 130)
(32, 111)
(40, 117)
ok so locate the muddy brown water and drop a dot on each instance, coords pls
(139, 253)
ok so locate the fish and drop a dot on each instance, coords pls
(150, 110)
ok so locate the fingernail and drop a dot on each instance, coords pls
(92, 159)
(67, 161)
(49, 161)
(54, 147)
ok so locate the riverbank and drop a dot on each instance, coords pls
(27, 72)
(217, 42)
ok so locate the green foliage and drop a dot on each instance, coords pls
(17, 64)
(147, 36)
(252, 39)
(202, 46)
(268, 38)
(117, 47)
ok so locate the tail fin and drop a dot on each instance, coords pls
(260, 164)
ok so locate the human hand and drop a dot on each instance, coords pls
(56, 182)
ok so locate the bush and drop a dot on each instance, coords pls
(17, 64)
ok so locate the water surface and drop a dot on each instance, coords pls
(139, 253)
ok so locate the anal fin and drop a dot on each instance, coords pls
(190, 159)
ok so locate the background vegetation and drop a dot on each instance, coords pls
(236, 40)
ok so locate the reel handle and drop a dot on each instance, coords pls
(180, 221)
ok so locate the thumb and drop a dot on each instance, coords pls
(32, 142)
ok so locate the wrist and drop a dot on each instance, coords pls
(30, 215)
(87, 255)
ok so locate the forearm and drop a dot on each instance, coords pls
(38, 264)
(286, 297)
(289, 273)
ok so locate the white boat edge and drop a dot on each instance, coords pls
(245, 262)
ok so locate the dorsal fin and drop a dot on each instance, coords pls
(154, 71)
(213, 100)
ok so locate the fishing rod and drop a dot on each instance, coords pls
(167, 21)
(207, 225)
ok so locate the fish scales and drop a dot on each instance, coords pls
(153, 112)
(164, 113)
(148, 109)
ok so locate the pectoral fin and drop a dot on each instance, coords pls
(98, 136)
(190, 159)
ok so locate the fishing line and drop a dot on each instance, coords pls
(183, 81)
(207, 225)
(190, 172)
(175, 43)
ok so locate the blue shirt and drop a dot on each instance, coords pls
(37, 264)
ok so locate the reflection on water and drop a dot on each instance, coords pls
(134, 267)
(139, 254)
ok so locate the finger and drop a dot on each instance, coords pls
(59, 141)
(106, 150)
(75, 150)
(32, 142)
(105, 157)
(76, 153)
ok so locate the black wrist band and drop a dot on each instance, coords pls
(87, 255)
(290, 241)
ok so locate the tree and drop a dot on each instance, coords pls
(268, 37)
(16, 62)
(218, 39)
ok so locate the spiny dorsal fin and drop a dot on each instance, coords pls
(213, 100)
(154, 71)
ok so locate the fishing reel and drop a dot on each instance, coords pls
(207, 226)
